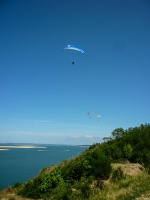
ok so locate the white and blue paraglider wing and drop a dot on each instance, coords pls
(74, 47)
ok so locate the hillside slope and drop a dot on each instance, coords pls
(131, 169)
(107, 171)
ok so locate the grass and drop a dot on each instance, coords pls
(128, 189)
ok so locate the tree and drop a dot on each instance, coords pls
(127, 149)
(100, 165)
(117, 133)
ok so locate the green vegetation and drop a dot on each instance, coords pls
(117, 175)
(91, 175)
(132, 144)
(71, 174)
(129, 188)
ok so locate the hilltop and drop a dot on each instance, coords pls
(117, 169)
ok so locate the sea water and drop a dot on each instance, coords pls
(17, 165)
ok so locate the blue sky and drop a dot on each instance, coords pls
(44, 98)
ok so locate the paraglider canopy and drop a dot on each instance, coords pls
(74, 47)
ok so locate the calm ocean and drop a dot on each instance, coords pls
(19, 165)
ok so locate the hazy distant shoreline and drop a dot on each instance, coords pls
(19, 147)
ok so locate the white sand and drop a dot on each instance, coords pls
(19, 147)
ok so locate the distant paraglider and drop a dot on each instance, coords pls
(74, 48)
(98, 117)
(90, 113)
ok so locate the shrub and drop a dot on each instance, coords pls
(82, 188)
(76, 169)
(128, 151)
(17, 184)
(63, 192)
(100, 165)
(42, 185)
(117, 175)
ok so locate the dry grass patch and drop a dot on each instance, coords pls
(131, 169)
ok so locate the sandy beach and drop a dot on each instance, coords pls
(20, 147)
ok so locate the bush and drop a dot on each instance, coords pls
(63, 192)
(127, 151)
(75, 169)
(82, 188)
(117, 175)
(42, 185)
(100, 165)
(17, 184)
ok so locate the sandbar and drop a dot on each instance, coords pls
(19, 147)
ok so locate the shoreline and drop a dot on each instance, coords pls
(19, 147)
